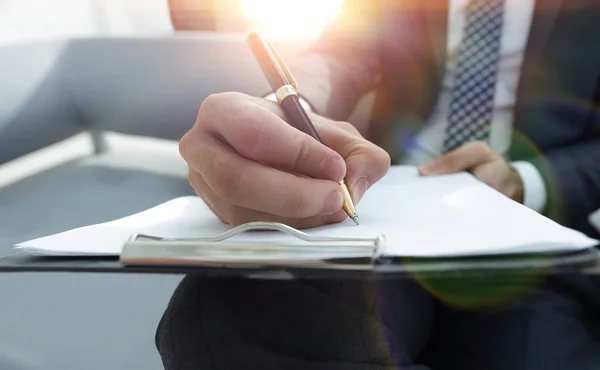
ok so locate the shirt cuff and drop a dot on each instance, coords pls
(533, 184)
(303, 102)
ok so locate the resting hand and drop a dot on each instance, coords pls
(248, 164)
(479, 159)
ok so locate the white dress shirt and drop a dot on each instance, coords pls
(517, 21)
(429, 141)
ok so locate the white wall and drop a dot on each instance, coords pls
(30, 20)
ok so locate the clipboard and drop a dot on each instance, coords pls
(301, 256)
(302, 251)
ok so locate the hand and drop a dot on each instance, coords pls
(479, 159)
(248, 164)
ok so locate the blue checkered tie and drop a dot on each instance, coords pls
(472, 101)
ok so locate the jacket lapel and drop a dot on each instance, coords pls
(545, 14)
(544, 19)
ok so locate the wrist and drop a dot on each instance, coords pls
(518, 187)
(534, 187)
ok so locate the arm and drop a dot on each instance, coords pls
(572, 179)
(571, 173)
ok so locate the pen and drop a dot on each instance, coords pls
(285, 88)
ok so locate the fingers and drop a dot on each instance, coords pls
(500, 176)
(248, 164)
(366, 163)
(214, 203)
(235, 215)
(464, 158)
(257, 131)
(252, 185)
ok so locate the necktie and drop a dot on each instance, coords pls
(472, 100)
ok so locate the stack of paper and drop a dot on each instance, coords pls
(452, 215)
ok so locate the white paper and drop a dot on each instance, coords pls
(451, 215)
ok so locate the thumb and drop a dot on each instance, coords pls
(366, 163)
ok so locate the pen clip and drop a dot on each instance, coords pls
(282, 65)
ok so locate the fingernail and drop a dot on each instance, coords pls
(333, 202)
(333, 169)
(360, 188)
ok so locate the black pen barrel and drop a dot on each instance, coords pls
(297, 116)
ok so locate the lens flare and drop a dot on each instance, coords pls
(304, 19)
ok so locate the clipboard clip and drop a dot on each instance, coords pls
(293, 249)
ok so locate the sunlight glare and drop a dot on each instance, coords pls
(291, 18)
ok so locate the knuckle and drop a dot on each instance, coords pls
(197, 153)
(383, 162)
(216, 106)
(359, 148)
(377, 155)
(216, 100)
(382, 158)
(348, 127)
(186, 144)
(302, 151)
(211, 102)
(378, 163)
(482, 148)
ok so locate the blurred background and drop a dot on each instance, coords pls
(26, 20)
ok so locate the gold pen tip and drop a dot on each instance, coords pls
(355, 219)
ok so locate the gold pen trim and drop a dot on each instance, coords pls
(348, 203)
(285, 91)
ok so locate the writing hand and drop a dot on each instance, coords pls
(248, 164)
(480, 160)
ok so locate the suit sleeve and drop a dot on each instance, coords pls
(571, 173)
(344, 64)
(572, 177)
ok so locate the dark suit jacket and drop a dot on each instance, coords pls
(399, 50)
